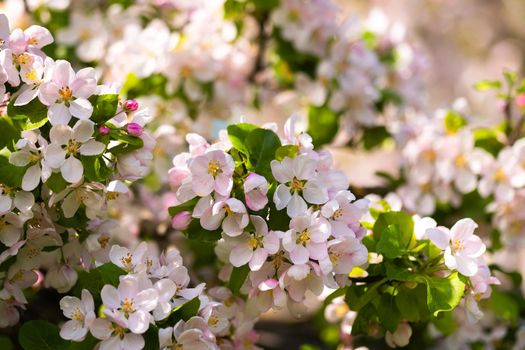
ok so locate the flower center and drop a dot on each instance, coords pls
(297, 185)
(337, 214)
(72, 147)
(112, 195)
(32, 41)
(213, 320)
(213, 168)
(103, 241)
(77, 315)
(31, 75)
(499, 175)
(460, 161)
(255, 242)
(334, 257)
(127, 306)
(426, 187)
(457, 246)
(23, 59)
(126, 261)
(7, 190)
(176, 346)
(65, 94)
(119, 331)
(304, 237)
(429, 155)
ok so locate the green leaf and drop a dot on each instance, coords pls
(485, 85)
(104, 107)
(10, 175)
(28, 117)
(488, 140)
(56, 183)
(289, 151)
(6, 343)
(41, 335)
(95, 279)
(153, 85)
(86, 344)
(391, 243)
(238, 134)
(402, 220)
(186, 206)
(445, 323)
(444, 294)
(374, 137)
(128, 143)
(237, 278)
(505, 306)
(358, 296)
(389, 314)
(365, 317)
(10, 133)
(95, 168)
(197, 233)
(151, 338)
(183, 312)
(262, 145)
(323, 124)
(412, 302)
(454, 121)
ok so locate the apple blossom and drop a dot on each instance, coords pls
(255, 190)
(28, 153)
(115, 336)
(212, 171)
(81, 314)
(306, 238)
(230, 214)
(69, 143)
(461, 246)
(66, 92)
(297, 183)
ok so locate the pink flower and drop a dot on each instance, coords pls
(103, 130)
(134, 129)
(255, 190)
(66, 92)
(298, 182)
(81, 314)
(520, 100)
(131, 105)
(306, 238)
(255, 247)
(230, 212)
(343, 255)
(462, 248)
(181, 220)
(343, 215)
(212, 171)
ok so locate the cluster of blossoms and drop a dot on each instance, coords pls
(149, 288)
(296, 227)
(69, 149)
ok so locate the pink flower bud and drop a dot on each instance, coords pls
(134, 129)
(131, 105)
(181, 220)
(103, 130)
(520, 100)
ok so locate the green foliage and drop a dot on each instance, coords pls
(392, 242)
(445, 323)
(183, 312)
(41, 335)
(374, 137)
(486, 85)
(56, 183)
(10, 175)
(104, 107)
(389, 314)
(289, 151)
(95, 169)
(196, 232)
(237, 278)
(10, 133)
(128, 143)
(238, 133)
(151, 338)
(505, 305)
(323, 124)
(403, 221)
(488, 140)
(6, 343)
(28, 117)
(95, 279)
(152, 85)
(454, 121)
(388, 96)
(444, 294)
(186, 206)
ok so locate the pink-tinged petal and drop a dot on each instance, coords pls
(282, 171)
(83, 130)
(282, 196)
(112, 344)
(101, 328)
(233, 227)
(63, 74)
(73, 330)
(128, 287)
(27, 94)
(258, 259)
(466, 266)
(58, 114)
(473, 247)
(299, 272)
(202, 184)
(147, 299)
(81, 108)
(465, 181)
(48, 93)
(138, 322)
(166, 289)
(255, 181)
(87, 300)
(340, 229)
(439, 236)
(241, 254)
(116, 255)
(315, 192)
(55, 156)
(299, 255)
(297, 206)
(223, 184)
(236, 205)
(211, 222)
(317, 251)
(304, 167)
(110, 297)
(60, 134)
(450, 260)
(72, 170)
(31, 178)
(85, 83)
(463, 229)
(260, 224)
(329, 208)
(92, 148)
(268, 284)
(204, 204)
(320, 231)
(289, 242)
(132, 342)
(271, 243)
(255, 200)
(38, 36)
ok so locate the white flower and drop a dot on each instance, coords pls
(81, 314)
(29, 154)
(114, 336)
(69, 143)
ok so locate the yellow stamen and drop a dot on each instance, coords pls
(213, 168)
(297, 185)
(304, 237)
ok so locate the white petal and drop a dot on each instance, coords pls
(81, 108)
(58, 114)
(31, 178)
(83, 130)
(92, 148)
(72, 170)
